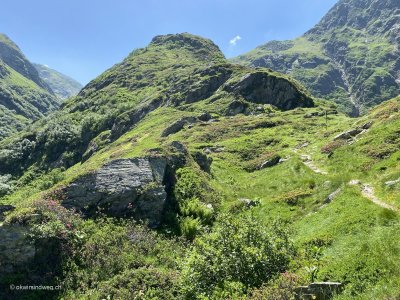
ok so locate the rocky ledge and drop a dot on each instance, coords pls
(260, 87)
(124, 188)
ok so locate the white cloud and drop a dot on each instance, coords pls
(234, 41)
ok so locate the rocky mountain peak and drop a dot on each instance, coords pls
(350, 57)
(373, 16)
(189, 41)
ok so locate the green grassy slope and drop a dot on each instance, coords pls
(182, 71)
(21, 101)
(24, 96)
(355, 238)
(351, 239)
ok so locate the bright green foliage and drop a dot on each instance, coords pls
(121, 260)
(196, 201)
(239, 250)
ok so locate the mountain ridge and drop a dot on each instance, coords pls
(351, 56)
(11, 55)
(62, 85)
(160, 75)
(24, 96)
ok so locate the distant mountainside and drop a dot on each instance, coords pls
(351, 56)
(62, 85)
(24, 96)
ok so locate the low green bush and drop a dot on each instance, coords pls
(238, 250)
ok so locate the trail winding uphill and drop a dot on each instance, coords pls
(368, 192)
(307, 160)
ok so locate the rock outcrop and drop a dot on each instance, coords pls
(270, 162)
(319, 290)
(203, 161)
(248, 203)
(178, 125)
(352, 133)
(392, 182)
(332, 196)
(262, 88)
(15, 248)
(126, 187)
(25, 260)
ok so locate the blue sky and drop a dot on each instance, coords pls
(82, 38)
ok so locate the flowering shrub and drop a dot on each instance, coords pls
(240, 251)
(47, 218)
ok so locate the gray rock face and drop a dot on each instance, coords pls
(348, 134)
(319, 290)
(261, 88)
(270, 163)
(178, 125)
(236, 107)
(15, 249)
(124, 187)
(353, 132)
(203, 161)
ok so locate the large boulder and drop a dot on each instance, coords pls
(263, 88)
(348, 134)
(123, 188)
(16, 250)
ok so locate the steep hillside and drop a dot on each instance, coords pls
(24, 96)
(182, 71)
(250, 187)
(350, 57)
(63, 86)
